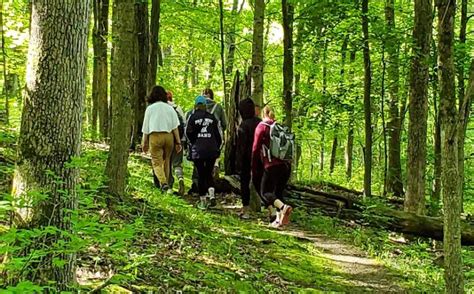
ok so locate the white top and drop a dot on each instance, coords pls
(160, 117)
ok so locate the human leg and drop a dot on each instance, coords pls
(157, 159)
(168, 146)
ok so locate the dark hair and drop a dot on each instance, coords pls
(208, 92)
(158, 93)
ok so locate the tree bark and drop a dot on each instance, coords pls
(461, 92)
(222, 41)
(231, 41)
(122, 94)
(367, 101)
(418, 107)
(332, 163)
(100, 71)
(453, 272)
(287, 16)
(392, 46)
(257, 52)
(141, 22)
(350, 133)
(50, 134)
(154, 45)
(436, 192)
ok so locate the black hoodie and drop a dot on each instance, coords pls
(245, 134)
(203, 133)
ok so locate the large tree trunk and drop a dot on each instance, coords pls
(122, 93)
(367, 101)
(453, 272)
(257, 52)
(231, 41)
(50, 134)
(418, 106)
(461, 92)
(350, 133)
(100, 71)
(287, 16)
(394, 171)
(154, 45)
(141, 21)
(436, 190)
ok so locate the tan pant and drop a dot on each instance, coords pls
(161, 147)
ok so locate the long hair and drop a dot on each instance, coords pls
(209, 93)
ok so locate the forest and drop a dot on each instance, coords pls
(378, 96)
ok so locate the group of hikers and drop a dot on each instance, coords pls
(263, 149)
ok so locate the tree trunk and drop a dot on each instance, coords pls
(122, 94)
(453, 272)
(384, 123)
(367, 101)
(154, 45)
(141, 22)
(5, 76)
(436, 192)
(333, 154)
(350, 134)
(221, 27)
(418, 106)
(287, 16)
(257, 52)
(461, 92)
(231, 41)
(50, 134)
(392, 45)
(100, 71)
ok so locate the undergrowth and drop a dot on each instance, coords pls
(153, 242)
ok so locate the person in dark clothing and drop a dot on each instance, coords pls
(245, 134)
(276, 172)
(203, 134)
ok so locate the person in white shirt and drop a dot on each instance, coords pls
(160, 134)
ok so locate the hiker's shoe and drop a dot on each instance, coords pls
(169, 191)
(285, 213)
(212, 202)
(165, 188)
(272, 214)
(181, 187)
(275, 224)
(202, 204)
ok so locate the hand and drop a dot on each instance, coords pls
(178, 147)
(145, 148)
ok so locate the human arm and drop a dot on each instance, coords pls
(257, 146)
(177, 140)
(145, 143)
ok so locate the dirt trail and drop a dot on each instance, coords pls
(355, 266)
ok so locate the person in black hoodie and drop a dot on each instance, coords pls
(245, 135)
(203, 134)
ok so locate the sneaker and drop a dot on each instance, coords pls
(202, 204)
(212, 202)
(181, 187)
(285, 214)
(275, 224)
(169, 191)
(165, 188)
(272, 214)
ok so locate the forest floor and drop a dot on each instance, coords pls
(148, 241)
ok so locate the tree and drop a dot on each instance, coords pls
(288, 15)
(367, 101)
(453, 273)
(122, 94)
(4, 61)
(51, 125)
(418, 108)
(257, 52)
(100, 105)
(350, 133)
(154, 43)
(141, 58)
(392, 46)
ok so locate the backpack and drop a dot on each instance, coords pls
(181, 121)
(282, 143)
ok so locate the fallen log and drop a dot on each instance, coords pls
(350, 209)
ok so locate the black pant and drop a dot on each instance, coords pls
(245, 184)
(274, 181)
(204, 170)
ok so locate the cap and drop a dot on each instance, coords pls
(200, 100)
